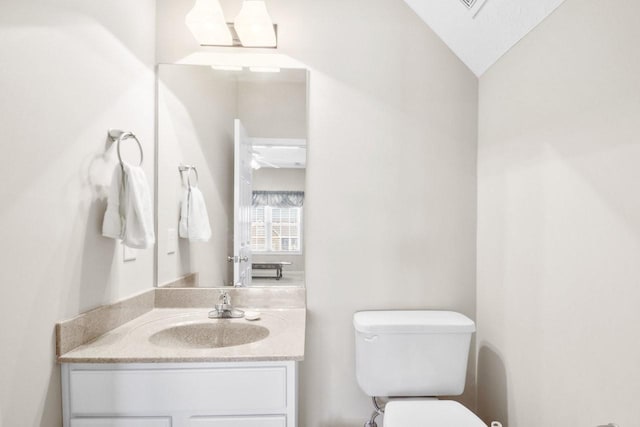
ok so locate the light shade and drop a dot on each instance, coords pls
(207, 24)
(254, 26)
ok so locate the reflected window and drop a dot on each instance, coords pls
(276, 230)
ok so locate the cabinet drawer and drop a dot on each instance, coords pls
(274, 421)
(121, 422)
(149, 391)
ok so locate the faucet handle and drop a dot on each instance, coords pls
(224, 297)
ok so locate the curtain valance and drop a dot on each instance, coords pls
(278, 199)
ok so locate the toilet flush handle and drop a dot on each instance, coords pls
(372, 338)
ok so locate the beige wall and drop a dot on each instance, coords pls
(391, 178)
(390, 199)
(559, 222)
(283, 179)
(69, 70)
(271, 109)
(196, 109)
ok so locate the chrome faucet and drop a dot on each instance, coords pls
(224, 309)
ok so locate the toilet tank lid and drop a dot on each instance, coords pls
(412, 321)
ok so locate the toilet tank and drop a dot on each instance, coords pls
(412, 353)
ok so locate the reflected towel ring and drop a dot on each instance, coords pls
(188, 169)
(117, 136)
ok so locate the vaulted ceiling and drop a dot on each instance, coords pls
(480, 35)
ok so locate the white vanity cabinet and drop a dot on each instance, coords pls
(238, 394)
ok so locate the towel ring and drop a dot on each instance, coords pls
(117, 136)
(188, 169)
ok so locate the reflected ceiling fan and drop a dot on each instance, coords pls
(257, 161)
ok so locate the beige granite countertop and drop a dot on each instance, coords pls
(129, 343)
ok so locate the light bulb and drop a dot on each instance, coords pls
(254, 26)
(207, 24)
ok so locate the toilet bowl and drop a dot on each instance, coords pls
(414, 353)
(427, 413)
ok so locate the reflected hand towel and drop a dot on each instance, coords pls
(194, 219)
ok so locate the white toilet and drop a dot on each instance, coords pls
(416, 355)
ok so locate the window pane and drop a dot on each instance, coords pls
(285, 229)
(258, 229)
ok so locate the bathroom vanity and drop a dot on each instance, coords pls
(174, 367)
(240, 394)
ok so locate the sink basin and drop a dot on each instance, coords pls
(209, 335)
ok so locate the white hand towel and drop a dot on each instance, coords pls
(138, 229)
(129, 214)
(194, 219)
(112, 226)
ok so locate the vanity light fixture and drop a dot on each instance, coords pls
(227, 67)
(207, 24)
(254, 26)
(265, 69)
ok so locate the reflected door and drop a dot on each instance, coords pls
(242, 193)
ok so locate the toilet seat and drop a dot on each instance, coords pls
(429, 413)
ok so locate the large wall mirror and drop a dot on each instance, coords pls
(231, 161)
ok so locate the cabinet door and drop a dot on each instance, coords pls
(213, 391)
(266, 421)
(121, 422)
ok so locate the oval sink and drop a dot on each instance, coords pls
(209, 335)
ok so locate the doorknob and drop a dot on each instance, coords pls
(232, 259)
